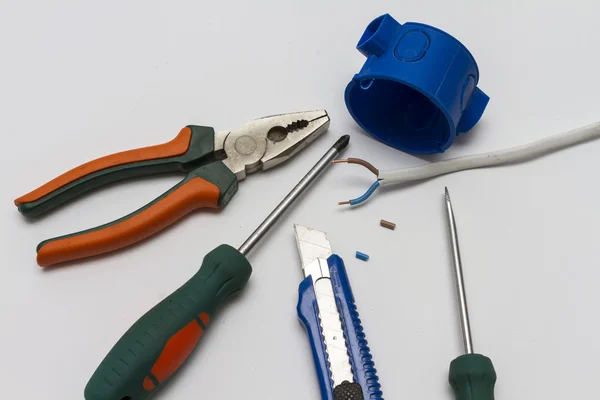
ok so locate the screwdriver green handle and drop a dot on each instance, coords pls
(161, 340)
(472, 376)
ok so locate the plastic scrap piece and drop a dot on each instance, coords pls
(362, 256)
(387, 224)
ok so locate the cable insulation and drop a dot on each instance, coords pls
(509, 156)
(365, 196)
(359, 161)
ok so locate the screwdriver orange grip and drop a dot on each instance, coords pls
(187, 196)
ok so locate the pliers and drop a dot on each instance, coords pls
(214, 163)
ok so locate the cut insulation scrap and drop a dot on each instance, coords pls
(362, 256)
(387, 224)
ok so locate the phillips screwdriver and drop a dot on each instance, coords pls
(472, 376)
(163, 338)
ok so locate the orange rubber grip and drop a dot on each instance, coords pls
(176, 351)
(193, 194)
(175, 147)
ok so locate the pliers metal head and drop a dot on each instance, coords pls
(266, 142)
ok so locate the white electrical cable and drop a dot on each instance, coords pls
(509, 156)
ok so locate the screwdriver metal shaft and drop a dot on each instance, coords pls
(460, 283)
(304, 183)
(472, 376)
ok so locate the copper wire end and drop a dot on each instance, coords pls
(359, 161)
(343, 203)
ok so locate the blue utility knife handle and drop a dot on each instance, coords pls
(363, 366)
(361, 359)
(308, 312)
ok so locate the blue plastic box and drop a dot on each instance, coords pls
(418, 88)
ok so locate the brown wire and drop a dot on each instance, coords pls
(359, 161)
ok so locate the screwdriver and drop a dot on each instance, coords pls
(472, 376)
(162, 339)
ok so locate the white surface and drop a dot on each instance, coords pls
(81, 80)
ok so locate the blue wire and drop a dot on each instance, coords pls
(365, 196)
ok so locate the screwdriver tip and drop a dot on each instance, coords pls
(342, 143)
(447, 194)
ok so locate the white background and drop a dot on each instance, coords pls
(81, 80)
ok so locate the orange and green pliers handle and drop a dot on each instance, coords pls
(209, 186)
(193, 146)
(209, 183)
(162, 339)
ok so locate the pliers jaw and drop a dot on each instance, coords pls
(266, 142)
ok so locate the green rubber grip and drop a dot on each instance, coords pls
(472, 376)
(161, 340)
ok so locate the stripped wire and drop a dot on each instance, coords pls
(362, 198)
(373, 187)
(359, 161)
(513, 155)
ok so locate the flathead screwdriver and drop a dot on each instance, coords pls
(472, 376)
